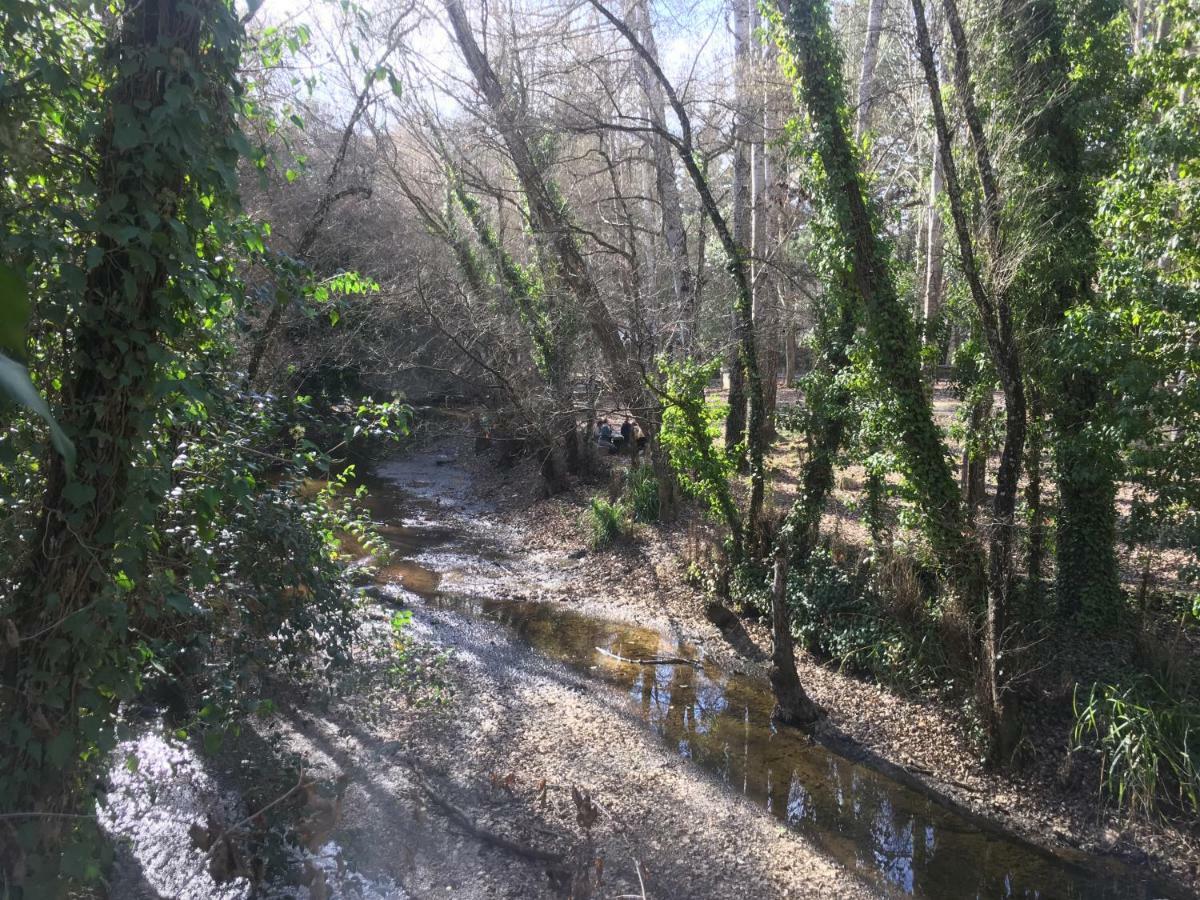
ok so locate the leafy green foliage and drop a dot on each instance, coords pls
(606, 523)
(16, 384)
(1148, 740)
(847, 617)
(641, 492)
(1141, 332)
(183, 554)
(860, 275)
(691, 431)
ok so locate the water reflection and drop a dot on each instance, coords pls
(894, 836)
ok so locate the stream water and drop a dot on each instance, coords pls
(896, 838)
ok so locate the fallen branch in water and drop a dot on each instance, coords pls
(651, 660)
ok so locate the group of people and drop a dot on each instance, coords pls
(625, 439)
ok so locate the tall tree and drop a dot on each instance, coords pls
(1042, 71)
(996, 319)
(548, 214)
(763, 190)
(891, 337)
(674, 233)
(870, 60)
(740, 218)
(736, 263)
(160, 171)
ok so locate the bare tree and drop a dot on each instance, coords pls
(870, 59)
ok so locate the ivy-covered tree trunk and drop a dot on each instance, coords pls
(977, 449)
(74, 606)
(1049, 109)
(890, 331)
(995, 317)
(827, 426)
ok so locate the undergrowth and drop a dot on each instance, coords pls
(847, 617)
(605, 523)
(1148, 738)
(641, 492)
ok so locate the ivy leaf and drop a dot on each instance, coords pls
(14, 312)
(15, 382)
(126, 135)
(79, 493)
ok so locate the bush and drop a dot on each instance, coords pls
(843, 616)
(605, 523)
(1149, 741)
(642, 493)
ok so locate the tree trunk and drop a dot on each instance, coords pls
(1035, 43)
(64, 675)
(890, 332)
(548, 216)
(996, 318)
(740, 221)
(762, 179)
(672, 228)
(976, 454)
(870, 59)
(743, 302)
(931, 306)
(1036, 552)
(793, 706)
(790, 351)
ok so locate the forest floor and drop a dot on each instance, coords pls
(459, 745)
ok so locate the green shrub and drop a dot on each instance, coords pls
(834, 614)
(642, 493)
(605, 523)
(1149, 741)
(842, 616)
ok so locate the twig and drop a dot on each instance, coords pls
(651, 660)
(226, 832)
(465, 822)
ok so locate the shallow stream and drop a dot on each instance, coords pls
(896, 838)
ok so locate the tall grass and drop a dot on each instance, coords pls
(605, 523)
(642, 493)
(1149, 741)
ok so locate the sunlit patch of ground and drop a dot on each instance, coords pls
(162, 798)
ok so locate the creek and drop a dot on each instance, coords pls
(899, 839)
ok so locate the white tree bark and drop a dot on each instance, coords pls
(934, 268)
(764, 189)
(740, 224)
(672, 229)
(870, 59)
